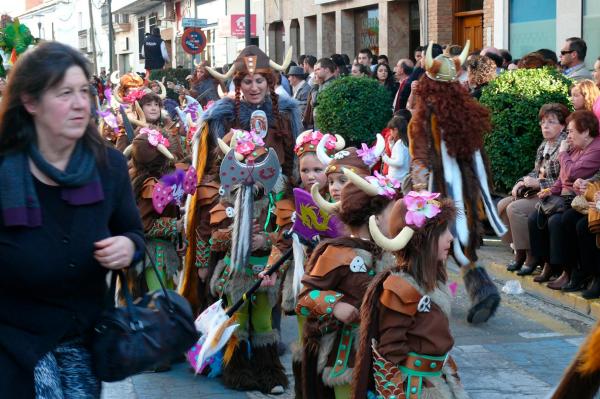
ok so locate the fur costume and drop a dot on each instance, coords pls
(446, 140)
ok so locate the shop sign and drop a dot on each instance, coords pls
(238, 25)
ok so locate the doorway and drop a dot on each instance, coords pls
(468, 23)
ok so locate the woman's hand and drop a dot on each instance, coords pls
(267, 281)
(531, 182)
(114, 252)
(580, 185)
(345, 312)
(544, 193)
(516, 188)
(564, 146)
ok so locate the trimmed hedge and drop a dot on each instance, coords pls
(355, 108)
(175, 75)
(514, 99)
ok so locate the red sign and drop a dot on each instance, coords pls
(193, 41)
(238, 25)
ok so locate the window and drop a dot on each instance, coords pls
(141, 25)
(532, 26)
(83, 40)
(591, 31)
(104, 14)
(366, 27)
(152, 22)
(209, 51)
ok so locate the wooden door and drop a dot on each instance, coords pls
(470, 27)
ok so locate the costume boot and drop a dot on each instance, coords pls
(269, 373)
(297, 370)
(483, 293)
(238, 373)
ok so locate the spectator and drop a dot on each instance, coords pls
(68, 217)
(402, 70)
(155, 52)
(507, 58)
(365, 57)
(579, 157)
(572, 58)
(419, 56)
(533, 61)
(300, 88)
(495, 55)
(325, 73)
(309, 68)
(548, 55)
(597, 72)
(279, 88)
(359, 70)
(515, 209)
(340, 65)
(346, 60)
(584, 94)
(384, 76)
(480, 71)
(383, 59)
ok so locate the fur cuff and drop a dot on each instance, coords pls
(260, 340)
(344, 379)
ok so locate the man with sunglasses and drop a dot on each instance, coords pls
(572, 57)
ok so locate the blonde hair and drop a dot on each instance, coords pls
(589, 91)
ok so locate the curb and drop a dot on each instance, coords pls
(571, 300)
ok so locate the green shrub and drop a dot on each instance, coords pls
(175, 75)
(514, 99)
(355, 108)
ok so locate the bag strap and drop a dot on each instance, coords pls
(158, 277)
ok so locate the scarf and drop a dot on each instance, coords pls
(80, 183)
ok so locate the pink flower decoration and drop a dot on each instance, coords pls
(246, 142)
(155, 137)
(387, 185)
(312, 138)
(367, 155)
(134, 96)
(421, 206)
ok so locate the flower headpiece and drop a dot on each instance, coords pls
(420, 207)
(134, 96)
(247, 143)
(386, 186)
(370, 155)
(155, 137)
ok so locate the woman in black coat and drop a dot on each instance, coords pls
(68, 216)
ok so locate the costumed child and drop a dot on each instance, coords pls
(446, 139)
(245, 226)
(397, 164)
(312, 171)
(405, 332)
(340, 270)
(254, 91)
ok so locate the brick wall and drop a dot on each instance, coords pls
(488, 22)
(440, 20)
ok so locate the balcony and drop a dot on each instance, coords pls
(121, 27)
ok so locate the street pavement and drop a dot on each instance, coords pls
(519, 353)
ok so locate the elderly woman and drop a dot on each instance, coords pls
(515, 209)
(579, 157)
(480, 71)
(68, 216)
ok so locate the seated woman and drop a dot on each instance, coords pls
(579, 157)
(405, 328)
(515, 210)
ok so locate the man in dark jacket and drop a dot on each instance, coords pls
(155, 52)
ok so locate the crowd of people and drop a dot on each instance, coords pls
(369, 225)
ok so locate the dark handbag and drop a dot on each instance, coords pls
(138, 337)
(550, 205)
(527, 192)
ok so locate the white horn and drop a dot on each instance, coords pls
(116, 96)
(465, 53)
(321, 202)
(140, 112)
(392, 245)
(225, 149)
(361, 183)
(163, 150)
(379, 145)
(115, 78)
(321, 153)
(163, 91)
(286, 62)
(220, 76)
(340, 143)
(301, 136)
(127, 150)
(429, 56)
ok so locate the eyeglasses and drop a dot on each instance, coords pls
(565, 52)
(570, 131)
(548, 122)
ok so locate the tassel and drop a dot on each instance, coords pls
(221, 330)
(230, 349)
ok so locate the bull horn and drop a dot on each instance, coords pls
(395, 244)
(140, 112)
(340, 143)
(116, 95)
(196, 63)
(301, 136)
(127, 150)
(361, 183)
(220, 76)
(379, 145)
(429, 56)
(225, 149)
(465, 53)
(115, 78)
(286, 62)
(163, 91)
(327, 206)
(163, 150)
(321, 153)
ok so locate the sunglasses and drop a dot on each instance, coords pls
(565, 52)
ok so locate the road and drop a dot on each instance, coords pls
(519, 353)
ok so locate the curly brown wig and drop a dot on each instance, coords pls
(356, 206)
(461, 119)
(482, 69)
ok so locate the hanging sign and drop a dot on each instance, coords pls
(193, 41)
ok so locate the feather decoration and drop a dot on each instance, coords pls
(230, 349)
(241, 236)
